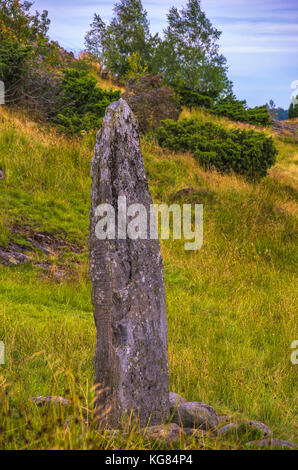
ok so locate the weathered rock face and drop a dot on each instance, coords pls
(128, 295)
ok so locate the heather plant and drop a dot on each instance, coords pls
(151, 101)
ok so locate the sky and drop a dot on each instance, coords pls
(259, 38)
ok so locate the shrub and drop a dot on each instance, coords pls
(238, 111)
(189, 97)
(245, 152)
(151, 101)
(193, 98)
(83, 103)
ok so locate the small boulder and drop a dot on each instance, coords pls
(175, 399)
(2, 175)
(271, 443)
(39, 401)
(11, 258)
(230, 428)
(236, 428)
(263, 428)
(195, 415)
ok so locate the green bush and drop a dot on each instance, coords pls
(238, 111)
(188, 97)
(193, 98)
(245, 152)
(83, 103)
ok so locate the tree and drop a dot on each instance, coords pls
(23, 44)
(94, 39)
(272, 109)
(126, 38)
(190, 52)
(293, 110)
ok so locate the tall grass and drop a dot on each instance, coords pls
(231, 306)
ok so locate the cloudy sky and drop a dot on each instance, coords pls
(259, 38)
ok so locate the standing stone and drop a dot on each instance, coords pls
(128, 294)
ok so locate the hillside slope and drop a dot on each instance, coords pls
(231, 305)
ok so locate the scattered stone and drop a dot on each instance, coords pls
(175, 399)
(2, 175)
(128, 293)
(51, 245)
(263, 428)
(12, 258)
(272, 443)
(241, 428)
(168, 433)
(285, 128)
(230, 428)
(44, 265)
(41, 400)
(195, 415)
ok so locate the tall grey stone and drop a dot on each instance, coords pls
(128, 294)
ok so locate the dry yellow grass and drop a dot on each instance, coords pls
(108, 84)
(203, 115)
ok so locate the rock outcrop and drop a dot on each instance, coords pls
(128, 294)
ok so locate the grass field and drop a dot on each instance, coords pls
(232, 309)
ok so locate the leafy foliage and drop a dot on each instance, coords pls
(246, 152)
(24, 46)
(238, 111)
(190, 52)
(82, 105)
(151, 101)
(189, 97)
(126, 38)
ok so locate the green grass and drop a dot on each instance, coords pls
(231, 306)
